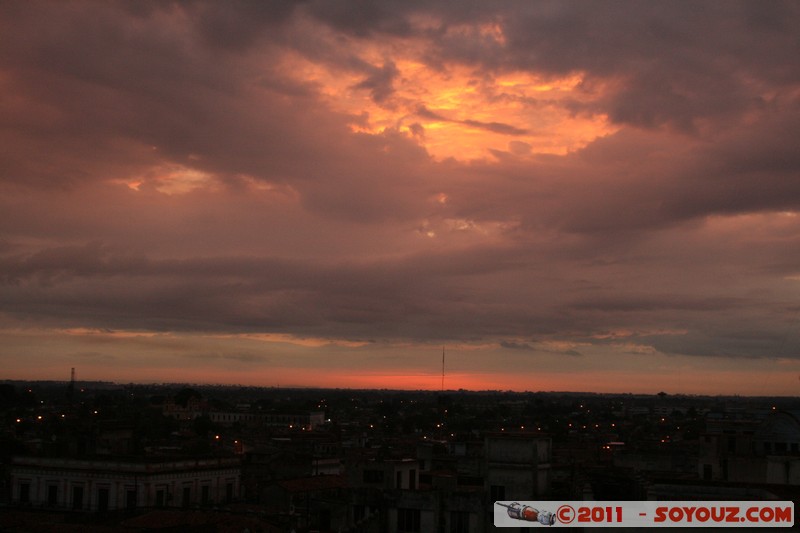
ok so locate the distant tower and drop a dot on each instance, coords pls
(442, 368)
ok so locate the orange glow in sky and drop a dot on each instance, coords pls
(463, 113)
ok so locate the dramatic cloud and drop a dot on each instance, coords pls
(261, 188)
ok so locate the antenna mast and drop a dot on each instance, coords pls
(442, 368)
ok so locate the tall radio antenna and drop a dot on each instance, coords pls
(442, 368)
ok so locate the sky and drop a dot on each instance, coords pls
(569, 196)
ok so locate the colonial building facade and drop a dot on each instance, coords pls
(107, 485)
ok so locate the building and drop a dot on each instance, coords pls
(316, 503)
(778, 439)
(195, 408)
(753, 450)
(308, 420)
(517, 466)
(384, 473)
(107, 485)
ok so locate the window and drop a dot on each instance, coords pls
(498, 493)
(399, 480)
(187, 496)
(359, 512)
(52, 495)
(229, 492)
(205, 494)
(24, 493)
(160, 498)
(130, 499)
(77, 497)
(373, 476)
(412, 479)
(408, 520)
(324, 519)
(459, 522)
(102, 499)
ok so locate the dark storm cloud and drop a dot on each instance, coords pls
(244, 293)
(119, 89)
(109, 87)
(124, 95)
(363, 18)
(629, 183)
(655, 302)
(431, 296)
(379, 82)
(516, 346)
(496, 127)
(675, 62)
(68, 261)
(731, 342)
(240, 24)
(235, 357)
(86, 82)
(525, 347)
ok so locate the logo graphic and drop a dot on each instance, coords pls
(565, 514)
(529, 514)
(640, 514)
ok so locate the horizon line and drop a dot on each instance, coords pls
(362, 389)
